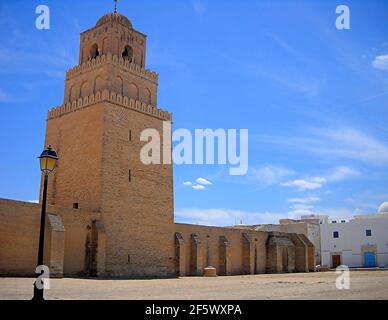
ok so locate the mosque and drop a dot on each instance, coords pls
(108, 214)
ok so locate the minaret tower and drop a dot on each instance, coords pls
(109, 99)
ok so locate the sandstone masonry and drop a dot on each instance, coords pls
(109, 214)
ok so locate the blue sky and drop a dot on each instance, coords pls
(315, 99)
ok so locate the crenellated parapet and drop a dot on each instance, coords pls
(109, 96)
(114, 60)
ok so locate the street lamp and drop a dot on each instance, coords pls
(47, 159)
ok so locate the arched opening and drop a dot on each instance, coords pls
(114, 46)
(73, 94)
(147, 97)
(105, 45)
(128, 53)
(91, 247)
(85, 89)
(98, 84)
(118, 85)
(284, 259)
(94, 52)
(223, 256)
(255, 261)
(133, 91)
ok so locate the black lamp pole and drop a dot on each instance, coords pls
(47, 159)
(38, 293)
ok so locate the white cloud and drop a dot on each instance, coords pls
(306, 184)
(305, 200)
(313, 183)
(230, 217)
(201, 184)
(203, 181)
(309, 87)
(296, 213)
(198, 187)
(342, 173)
(381, 62)
(269, 175)
(225, 217)
(298, 83)
(334, 213)
(344, 143)
(301, 206)
(357, 145)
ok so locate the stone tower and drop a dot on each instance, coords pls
(109, 99)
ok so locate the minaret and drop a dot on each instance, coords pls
(109, 99)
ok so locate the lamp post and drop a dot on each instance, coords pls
(48, 160)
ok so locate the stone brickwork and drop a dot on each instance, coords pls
(137, 208)
(311, 252)
(66, 233)
(108, 213)
(76, 246)
(97, 137)
(226, 249)
(280, 253)
(301, 254)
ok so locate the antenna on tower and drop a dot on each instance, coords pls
(115, 6)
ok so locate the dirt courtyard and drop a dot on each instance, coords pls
(363, 285)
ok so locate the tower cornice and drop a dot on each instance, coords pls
(125, 65)
(109, 97)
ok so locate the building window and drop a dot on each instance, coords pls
(343, 221)
(75, 205)
(334, 222)
(127, 53)
(94, 52)
(368, 233)
(130, 135)
(129, 175)
(335, 234)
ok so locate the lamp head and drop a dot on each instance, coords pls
(48, 160)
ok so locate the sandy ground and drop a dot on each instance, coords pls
(363, 285)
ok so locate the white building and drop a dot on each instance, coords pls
(308, 225)
(358, 242)
(320, 218)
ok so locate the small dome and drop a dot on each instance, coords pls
(114, 17)
(384, 207)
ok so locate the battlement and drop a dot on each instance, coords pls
(109, 96)
(115, 60)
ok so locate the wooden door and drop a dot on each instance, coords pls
(336, 260)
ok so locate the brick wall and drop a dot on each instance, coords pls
(137, 213)
(19, 236)
(209, 254)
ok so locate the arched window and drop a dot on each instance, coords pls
(133, 91)
(118, 85)
(105, 45)
(73, 94)
(128, 53)
(98, 84)
(85, 91)
(147, 98)
(94, 52)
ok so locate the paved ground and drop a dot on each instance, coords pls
(363, 285)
